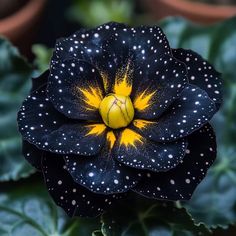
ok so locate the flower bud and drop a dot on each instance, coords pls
(117, 111)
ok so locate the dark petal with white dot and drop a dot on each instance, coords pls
(151, 155)
(43, 126)
(135, 46)
(72, 197)
(140, 42)
(109, 47)
(102, 174)
(148, 41)
(37, 118)
(88, 45)
(159, 80)
(188, 113)
(201, 73)
(111, 38)
(32, 154)
(74, 139)
(75, 88)
(94, 46)
(180, 182)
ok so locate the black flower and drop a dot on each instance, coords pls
(119, 111)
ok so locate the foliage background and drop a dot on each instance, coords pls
(25, 206)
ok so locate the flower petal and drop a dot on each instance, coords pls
(201, 73)
(148, 41)
(136, 151)
(189, 112)
(180, 182)
(159, 81)
(38, 118)
(111, 38)
(82, 139)
(85, 44)
(75, 88)
(73, 198)
(32, 154)
(127, 50)
(110, 48)
(94, 47)
(102, 174)
(43, 126)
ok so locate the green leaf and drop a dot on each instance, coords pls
(43, 56)
(15, 84)
(97, 233)
(26, 209)
(96, 12)
(149, 218)
(214, 201)
(229, 231)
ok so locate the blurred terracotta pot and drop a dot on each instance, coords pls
(195, 11)
(20, 27)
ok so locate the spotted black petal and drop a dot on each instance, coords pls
(102, 174)
(189, 112)
(136, 151)
(180, 182)
(75, 88)
(201, 73)
(85, 44)
(148, 41)
(133, 46)
(32, 154)
(95, 47)
(43, 126)
(73, 198)
(38, 118)
(158, 81)
(111, 46)
(81, 138)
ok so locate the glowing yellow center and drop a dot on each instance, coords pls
(117, 111)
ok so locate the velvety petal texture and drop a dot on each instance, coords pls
(37, 118)
(201, 73)
(189, 112)
(120, 111)
(43, 126)
(110, 47)
(75, 88)
(157, 86)
(32, 154)
(180, 182)
(81, 138)
(73, 198)
(106, 44)
(135, 151)
(102, 173)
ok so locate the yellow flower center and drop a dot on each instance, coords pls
(117, 111)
